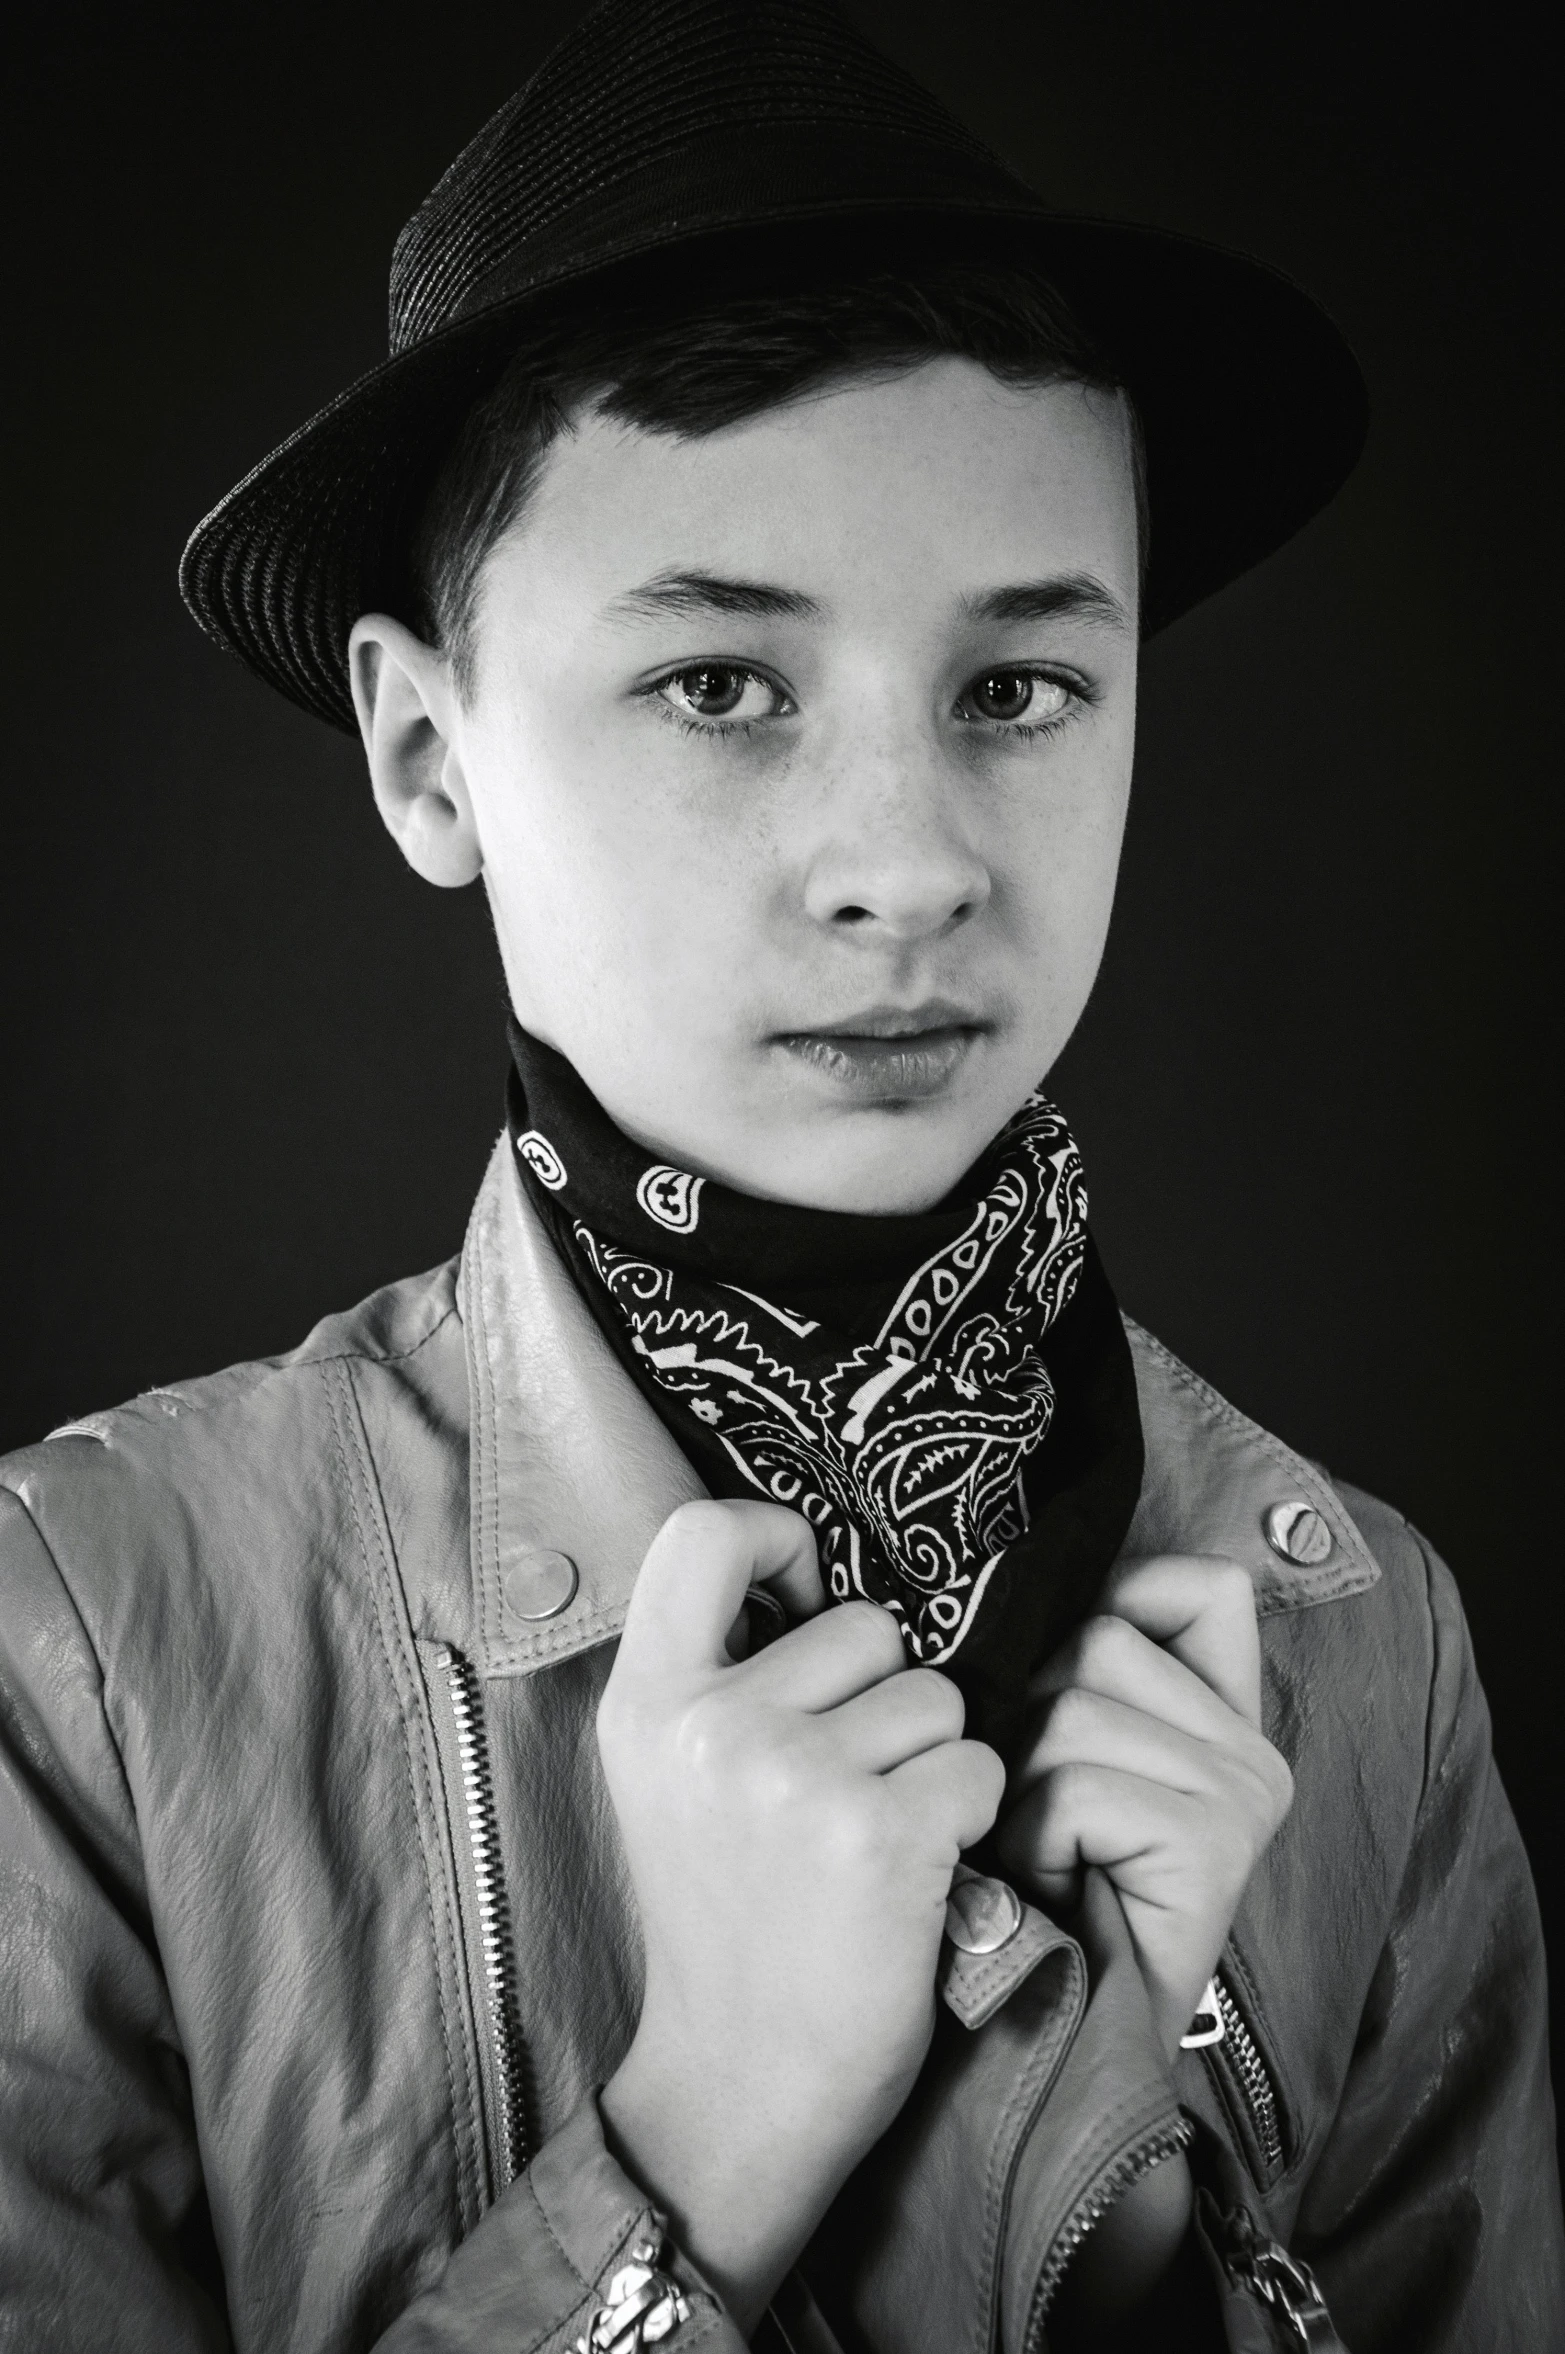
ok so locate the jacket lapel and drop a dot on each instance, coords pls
(567, 1456)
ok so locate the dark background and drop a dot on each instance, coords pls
(253, 1067)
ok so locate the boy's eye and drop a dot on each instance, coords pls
(721, 690)
(1014, 694)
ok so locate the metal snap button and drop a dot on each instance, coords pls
(982, 1915)
(539, 1585)
(1297, 1531)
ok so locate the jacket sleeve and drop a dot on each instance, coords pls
(1432, 2218)
(105, 2233)
(546, 2259)
(104, 2238)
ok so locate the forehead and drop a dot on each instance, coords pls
(910, 490)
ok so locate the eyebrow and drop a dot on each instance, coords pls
(686, 593)
(1074, 596)
(1071, 596)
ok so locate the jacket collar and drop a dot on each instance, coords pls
(568, 1457)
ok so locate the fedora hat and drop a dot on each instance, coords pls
(664, 127)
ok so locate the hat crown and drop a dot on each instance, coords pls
(635, 86)
(683, 129)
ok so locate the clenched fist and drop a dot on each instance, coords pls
(1145, 1756)
(791, 1823)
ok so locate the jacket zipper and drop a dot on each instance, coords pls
(1264, 2268)
(1124, 2174)
(497, 1943)
(1247, 2070)
(496, 1937)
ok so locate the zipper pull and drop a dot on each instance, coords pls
(1207, 2025)
(1278, 2279)
(1286, 2283)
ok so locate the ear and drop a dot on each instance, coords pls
(407, 708)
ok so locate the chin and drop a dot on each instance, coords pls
(908, 1166)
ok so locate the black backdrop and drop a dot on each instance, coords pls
(253, 1068)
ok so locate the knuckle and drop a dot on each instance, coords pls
(1106, 1643)
(1232, 1589)
(701, 1520)
(709, 1736)
(770, 1782)
(1070, 1714)
(1279, 1781)
(1225, 1580)
(1263, 1784)
(1062, 1789)
(938, 1697)
(855, 1838)
(873, 1632)
(990, 1771)
(970, 1780)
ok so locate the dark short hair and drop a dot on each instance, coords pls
(692, 361)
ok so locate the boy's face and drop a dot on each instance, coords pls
(797, 759)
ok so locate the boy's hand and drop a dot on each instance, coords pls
(1146, 1757)
(791, 1823)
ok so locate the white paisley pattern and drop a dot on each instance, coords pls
(907, 1454)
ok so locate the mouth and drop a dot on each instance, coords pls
(890, 1055)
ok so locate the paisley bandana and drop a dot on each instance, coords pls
(887, 1377)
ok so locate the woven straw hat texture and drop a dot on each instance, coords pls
(665, 127)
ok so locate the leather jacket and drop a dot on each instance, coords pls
(317, 1937)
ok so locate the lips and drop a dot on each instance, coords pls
(887, 1054)
(936, 1014)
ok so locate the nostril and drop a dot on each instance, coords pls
(853, 915)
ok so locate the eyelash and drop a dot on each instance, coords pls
(688, 726)
(1082, 696)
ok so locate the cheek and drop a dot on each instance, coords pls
(1065, 856)
(1063, 861)
(612, 896)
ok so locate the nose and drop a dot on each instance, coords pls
(896, 855)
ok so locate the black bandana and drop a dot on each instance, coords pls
(898, 1380)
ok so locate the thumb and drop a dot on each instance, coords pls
(697, 1571)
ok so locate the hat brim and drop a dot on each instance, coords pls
(1253, 408)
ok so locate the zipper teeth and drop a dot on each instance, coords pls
(1250, 2069)
(1122, 2176)
(495, 1935)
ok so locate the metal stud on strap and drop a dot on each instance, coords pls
(641, 2306)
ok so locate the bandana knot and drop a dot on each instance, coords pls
(905, 1446)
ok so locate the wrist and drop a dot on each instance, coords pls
(741, 2202)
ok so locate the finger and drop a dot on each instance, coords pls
(897, 1720)
(1081, 1815)
(693, 1581)
(1202, 1610)
(1114, 1659)
(830, 1660)
(955, 1789)
(1084, 1728)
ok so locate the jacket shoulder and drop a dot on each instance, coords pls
(226, 1480)
(391, 1325)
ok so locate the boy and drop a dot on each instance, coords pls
(465, 1886)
